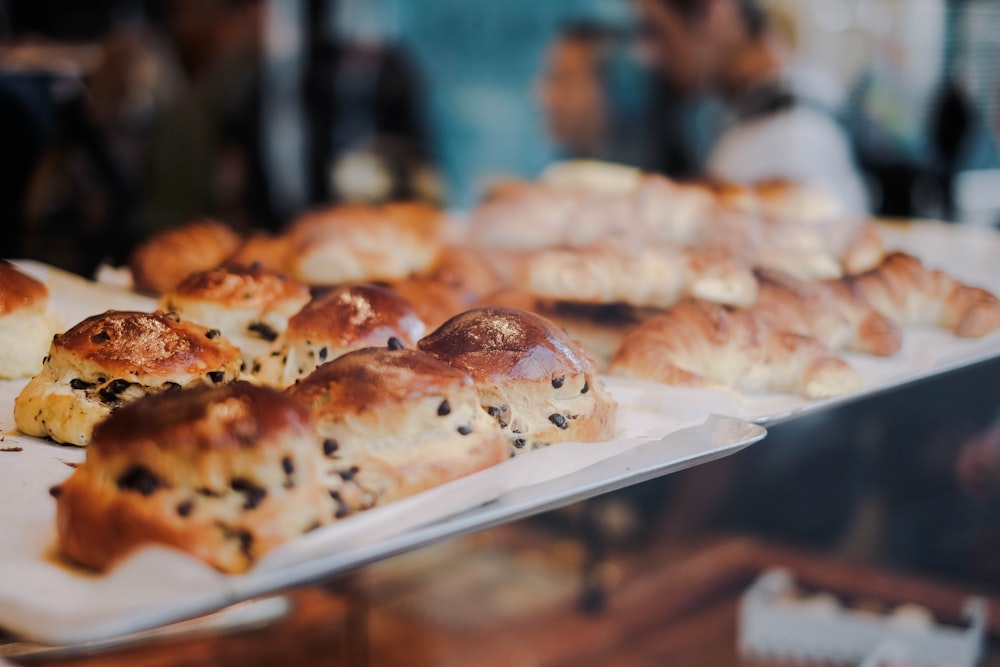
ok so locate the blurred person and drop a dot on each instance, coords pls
(775, 126)
(591, 95)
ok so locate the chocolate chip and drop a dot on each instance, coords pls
(55, 491)
(496, 411)
(263, 330)
(100, 338)
(243, 366)
(256, 367)
(395, 344)
(322, 354)
(559, 421)
(464, 430)
(520, 443)
(444, 409)
(77, 383)
(336, 495)
(287, 465)
(502, 423)
(254, 493)
(349, 474)
(140, 479)
(109, 394)
(185, 508)
(216, 376)
(212, 333)
(315, 525)
(342, 511)
(558, 382)
(330, 446)
(208, 493)
(586, 387)
(171, 386)
(276, 353)
(246, 541)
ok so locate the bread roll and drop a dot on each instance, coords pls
(225, 473)
(113, 359)
(163, 261)
(396, 422)
(536, 382)
(701, 344)
(335, 323)
(356, 243)
(27, 324)
(251, 306)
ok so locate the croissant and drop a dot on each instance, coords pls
(830, 311)
(656, 275)
(696, 343)
(908, 292)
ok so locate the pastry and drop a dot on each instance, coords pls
(909, 293)
(339, 321)
(26, 323)
(536, 382)
(701, 344)
(164, 260)
(653, 275)
(113, 359)
(395, 422)
(356, 243)
(250, 306)
(830, 311)
(225, 473)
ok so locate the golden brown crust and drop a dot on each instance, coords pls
(133, 343)
(468, 271)
(376, 378)
(163, 261)
(235, 286)
(19, 290)
(260, 249)
(224, 473)
(503, 343)
(357, 314)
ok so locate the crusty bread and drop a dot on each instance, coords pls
(113, 359)
(355, 243)
(536, 382)
(831, 311)
(164, 260)
(261, 249)
(908, 292)
(339, 321)
(396, 422)
(27, 324)
(653, 275)
(701, 344)
(251, 306)
(226, 473)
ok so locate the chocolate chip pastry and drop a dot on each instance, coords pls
(27, 324)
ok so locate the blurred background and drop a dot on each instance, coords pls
(122, 117)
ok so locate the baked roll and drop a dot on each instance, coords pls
(832, 312)
(262, 249)
(225, 473)
(395, 422)
(164, 260)
(537, 383)
(347, 244)
(434, 302)
(335, 323)
(903, 289)
(251, 306)
(113, 359)
(26, 323)
(701, 344)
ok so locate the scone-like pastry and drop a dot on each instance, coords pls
(829, 311)
(335, 323)
(164, 260)
(654, 275)
(262, 249)
(434, 302)
(905, 290)
(471, 272)
(113, 359)
(536, 382)
(26, 323)
(226, 473)
(358, 243)
(395, 422)
(701, 344)
(250, 306)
